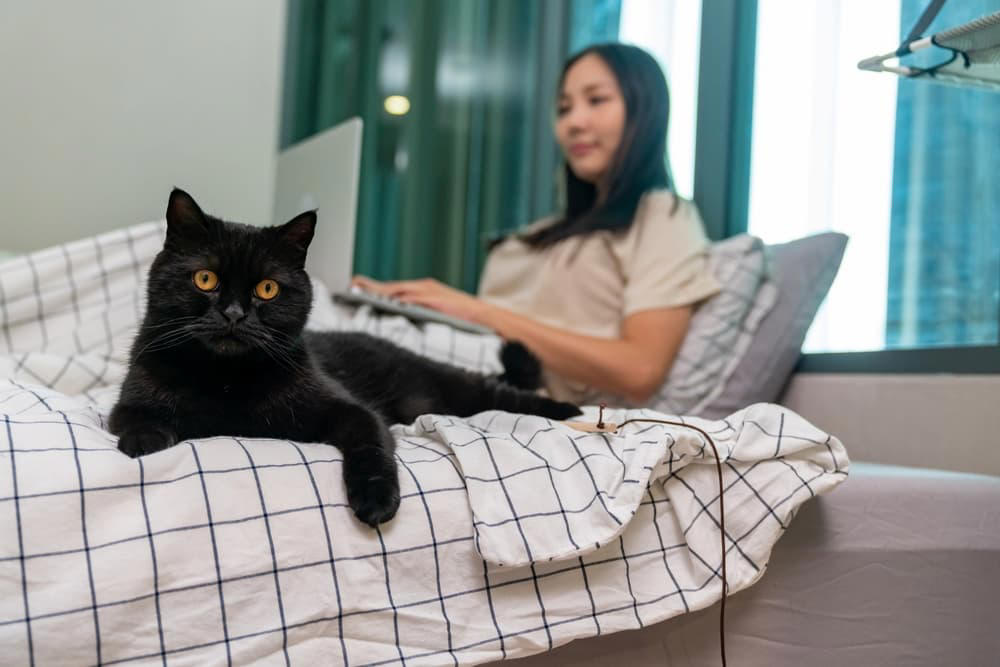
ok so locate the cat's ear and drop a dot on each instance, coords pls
(186, 223)
(298, 232)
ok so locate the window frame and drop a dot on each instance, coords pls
(722, 183)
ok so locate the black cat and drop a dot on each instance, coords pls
(222, 351)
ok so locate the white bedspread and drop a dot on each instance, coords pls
(515, 534)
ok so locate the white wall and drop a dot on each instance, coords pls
(107, 104)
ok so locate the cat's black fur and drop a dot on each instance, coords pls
(521, 368)
(226, 362)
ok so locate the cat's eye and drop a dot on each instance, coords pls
(266, 289)
(206, 280)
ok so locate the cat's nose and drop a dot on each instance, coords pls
(234, 312)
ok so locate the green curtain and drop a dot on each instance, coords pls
(474, 156)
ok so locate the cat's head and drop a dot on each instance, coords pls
(232, 287)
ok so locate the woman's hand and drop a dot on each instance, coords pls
(429, 293)
(632, 365)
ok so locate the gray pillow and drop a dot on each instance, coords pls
(721, 330)
(803, 271)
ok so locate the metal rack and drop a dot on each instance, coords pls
(972, 55)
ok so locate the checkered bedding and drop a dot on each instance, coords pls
(515, 534)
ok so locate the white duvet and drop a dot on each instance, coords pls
(515, 534)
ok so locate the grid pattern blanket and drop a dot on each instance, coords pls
(515, 534)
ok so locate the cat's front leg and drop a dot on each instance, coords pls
(140, 431)
(369, 463)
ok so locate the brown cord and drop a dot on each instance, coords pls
(722, 515)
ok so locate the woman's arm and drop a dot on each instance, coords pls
(633, 365)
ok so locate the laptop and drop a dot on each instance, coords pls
(322, 173)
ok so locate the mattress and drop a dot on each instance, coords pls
(912, 559)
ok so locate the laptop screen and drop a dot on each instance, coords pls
(322, 173)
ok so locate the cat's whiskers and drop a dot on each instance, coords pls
(166, 344)
(281, 336)
(173, 322)
(167, 340)
(284, 363)
(275, 344)
(280, 356)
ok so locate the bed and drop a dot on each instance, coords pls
(231, 550)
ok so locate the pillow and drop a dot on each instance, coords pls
(721, 328)
(802, 271)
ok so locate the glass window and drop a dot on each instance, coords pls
(909, 169)
(671, 31)
(457, 102)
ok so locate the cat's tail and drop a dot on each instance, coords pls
(501, 396)
(521, 368)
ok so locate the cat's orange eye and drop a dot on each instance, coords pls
(206, 280)
(266, 289)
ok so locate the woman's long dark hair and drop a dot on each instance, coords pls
(638, 165)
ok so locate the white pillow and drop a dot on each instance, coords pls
(721, 328)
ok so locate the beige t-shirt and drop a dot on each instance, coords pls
(590, 283)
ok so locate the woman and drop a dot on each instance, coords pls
(602, 294)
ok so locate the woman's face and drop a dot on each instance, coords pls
(590, 117)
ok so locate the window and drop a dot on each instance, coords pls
(909, 169)
(671, 31)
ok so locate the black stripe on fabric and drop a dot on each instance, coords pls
(152, 554)
(432, 600)
(5, 319)
(524, 539)
(20, 545)
(329, 550)
(781, 430)
(552, 482)
(795, 472)
(535, 515)
(770, 510)
(252, 517)
(86, 548)
(666, 564)
(590, 594)
(38, 300)
(215, 555)
(628, 580)
(136, 270)
(464, 647)
(388, 590)
(73, 298)
(104, 315)
(274, 557)
(493, 611)
(437, 561)
(712, 517)
(593, 482)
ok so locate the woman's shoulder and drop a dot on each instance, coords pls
(538, 225)
(515, 238)
(661, 204)
(664, 214)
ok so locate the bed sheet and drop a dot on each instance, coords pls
(910, 563)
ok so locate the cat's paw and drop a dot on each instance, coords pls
(140, 443)
(375, 499)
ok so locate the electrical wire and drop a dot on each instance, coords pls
(722, 512)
